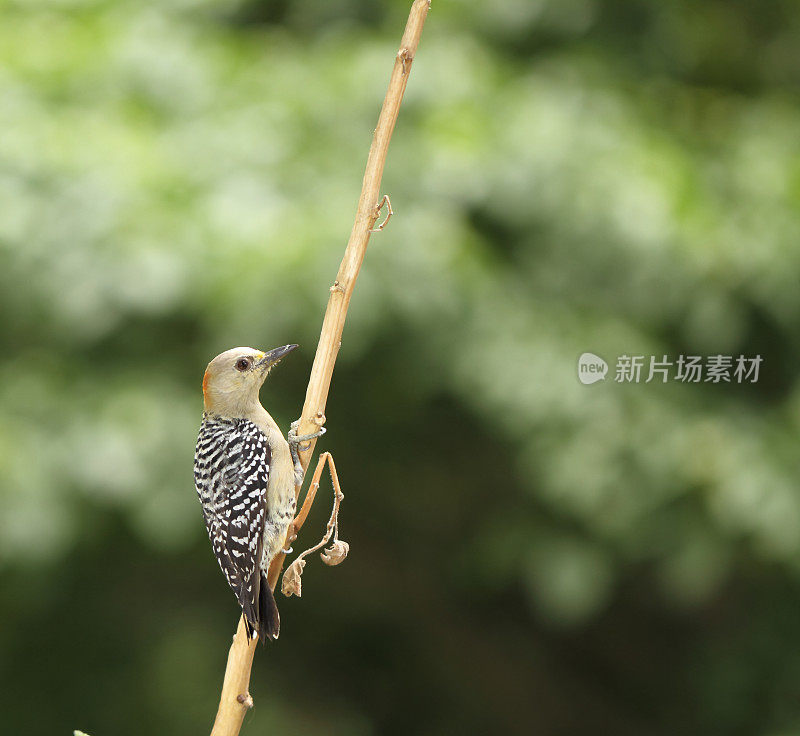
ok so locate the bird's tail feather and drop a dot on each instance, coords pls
(269, 620)
(261, 616)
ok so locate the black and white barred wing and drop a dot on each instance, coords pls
(231, 472)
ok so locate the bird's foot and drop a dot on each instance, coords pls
(297, 441)
(296, 446)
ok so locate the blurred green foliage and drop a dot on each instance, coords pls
(529, 555)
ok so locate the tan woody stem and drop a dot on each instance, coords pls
(235, 699)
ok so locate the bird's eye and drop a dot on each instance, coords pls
(242, 364)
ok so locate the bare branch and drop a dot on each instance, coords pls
(240, 658)
(237, 682)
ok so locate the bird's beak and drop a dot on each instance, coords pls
(271, 357)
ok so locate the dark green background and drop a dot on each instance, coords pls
(528, 555)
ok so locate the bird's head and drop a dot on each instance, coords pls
(232, 380)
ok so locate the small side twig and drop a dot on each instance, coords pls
(291, 584)
(389, 212)
(313, 487)
(300, 519)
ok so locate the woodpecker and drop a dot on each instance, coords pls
(245, 472)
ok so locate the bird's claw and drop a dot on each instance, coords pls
(298, 441)
(296, 447)
(287, 551)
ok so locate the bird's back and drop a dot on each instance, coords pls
(232, 478)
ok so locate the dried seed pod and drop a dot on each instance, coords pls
(336, 553)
